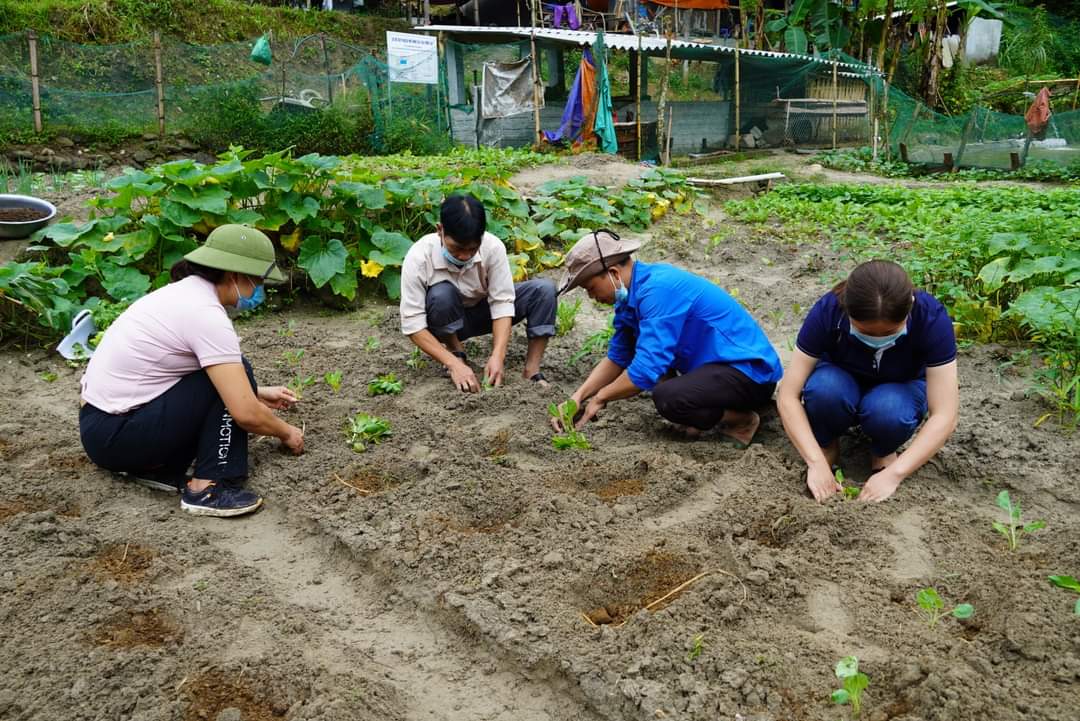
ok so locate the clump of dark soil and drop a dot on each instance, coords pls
(21, 215)
(123, 562)
(616, 597)
(606, 482)
(129, 629)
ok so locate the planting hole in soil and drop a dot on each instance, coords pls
(129, 629)
(214, 691)
(613, 597)
(123, 562)
(777, 528)
(607, 482)
(481, 515)
(34, 505)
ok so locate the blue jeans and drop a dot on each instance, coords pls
(888, 413)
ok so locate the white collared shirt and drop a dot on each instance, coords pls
(488, 277)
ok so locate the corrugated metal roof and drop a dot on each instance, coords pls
(650, 45)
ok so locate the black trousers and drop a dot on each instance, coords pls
(700, 397)
(534, 302)
(188, 422)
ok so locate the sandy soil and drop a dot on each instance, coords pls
(448, 572)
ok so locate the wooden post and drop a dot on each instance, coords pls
(738, 102)
(835, 91)
(885, 122)
(427, 12)
(159, 84)
(536, 88)
(637, 99)
(1076, 94)
(35, 88)
(476, 13)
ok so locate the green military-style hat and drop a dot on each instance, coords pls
(240, 249)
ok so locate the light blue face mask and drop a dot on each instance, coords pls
(459, 264)
(251, 302)
(621, 293)
(879, 342)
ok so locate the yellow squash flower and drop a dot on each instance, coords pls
(370, 269)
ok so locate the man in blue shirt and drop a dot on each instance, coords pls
(705, 360)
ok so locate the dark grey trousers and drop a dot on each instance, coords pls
(700, 397)
(534, 302)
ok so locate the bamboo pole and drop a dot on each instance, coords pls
(159, 84)
(662, 104)
(835, 91)
(738, 102)
(326, 68)
(1076, 94)
(427, 12)
(476, 13)
(35, 87)
(637, 96)
(536, 87)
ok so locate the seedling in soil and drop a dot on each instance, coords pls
(485, 384)
(1069, 583)
(416, 359)
(566, 316)
(372, 344)
(333, 379)
(697, 645)
(299, 383)
(571, 438)
(288, 330)
(384, 385)
(596, 343)
(850, 492)
(1016, 527)
(854, 683)
(363, 429)
(933, 610)
(49, 376)
(293, 357)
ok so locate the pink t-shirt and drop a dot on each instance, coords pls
(162, 337)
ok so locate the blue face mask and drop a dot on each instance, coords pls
(879, 342)
(251, 302)
(621, 293)
(459, 264)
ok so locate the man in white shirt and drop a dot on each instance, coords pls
(456, 284)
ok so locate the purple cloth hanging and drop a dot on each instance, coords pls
(568, 11)
(573, 116)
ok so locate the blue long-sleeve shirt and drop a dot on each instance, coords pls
(674, 319)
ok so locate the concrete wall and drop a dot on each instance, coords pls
(691, 122)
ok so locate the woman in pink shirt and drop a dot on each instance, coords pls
(168, 389)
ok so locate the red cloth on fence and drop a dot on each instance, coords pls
(1038, 115)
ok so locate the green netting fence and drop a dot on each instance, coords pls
(95, 92)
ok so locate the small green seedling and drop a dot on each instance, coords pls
(697, 645)
(372, 344)
(299, 383)
(384, 385)
(293, 357)
(1016, 527)
(850, 492)
(571, 438)
(1069, 583)
(333, 379)
(363, 429)
(416, 359)
(853, 682)
(485, 384)
(566, 316)
(288, 330)
(49, 376)
(933, 610)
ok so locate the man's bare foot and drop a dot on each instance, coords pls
(880, 464)
(740, 426)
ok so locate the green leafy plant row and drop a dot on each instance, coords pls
(337, 222)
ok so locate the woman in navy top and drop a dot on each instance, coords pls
(875, 353)
(705, 360)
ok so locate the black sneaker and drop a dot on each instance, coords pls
(154, 481)
(220, 501)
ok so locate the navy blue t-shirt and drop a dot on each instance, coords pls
(930, 341)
